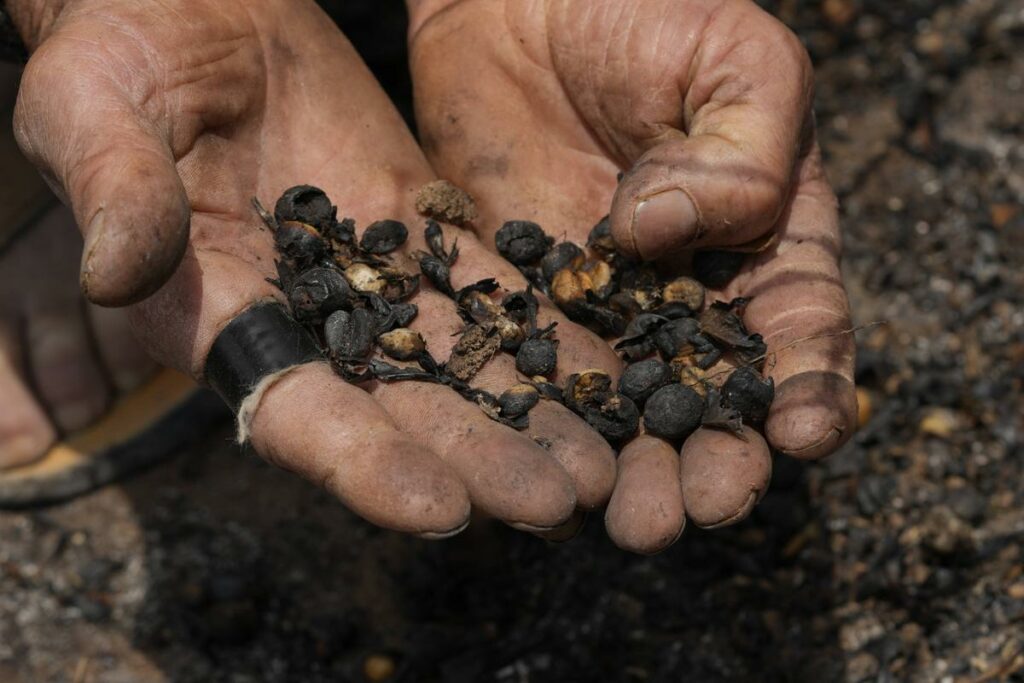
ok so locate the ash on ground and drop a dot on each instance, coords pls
(899, 559)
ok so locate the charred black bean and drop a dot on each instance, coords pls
(382, 237)
(640, 380)
(318, 292)
(673, 412)
(716, 268)
(537, 357)
(306, 204)
(518, 400)
(522, 242)
(562, 255)
(350, 336)
(750, 394)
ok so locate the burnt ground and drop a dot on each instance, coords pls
(899, 559)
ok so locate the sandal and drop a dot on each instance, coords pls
(144, 427)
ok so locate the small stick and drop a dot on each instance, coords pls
(801, 340)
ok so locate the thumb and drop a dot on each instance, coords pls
(721, 175)
(116, 172)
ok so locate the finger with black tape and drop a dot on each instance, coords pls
(220, 320)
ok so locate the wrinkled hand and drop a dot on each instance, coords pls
(534, 107)
(159, 121)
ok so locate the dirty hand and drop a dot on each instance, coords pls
(158, 122)
(534, 107)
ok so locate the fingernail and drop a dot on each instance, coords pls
(92, 238)
(662, 223)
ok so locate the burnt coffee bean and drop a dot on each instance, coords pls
(402, 344)
(480, 306)
(568, 288)
(625, 304)
(673, 310)
(522, 307)
(638, 339)
(522, 242)
(300, 242)
(562, 255)
(382, 237)
(586, 387)
(404, 313)
(640, 380)
(317, 293)
(616, 418)
(518, 400)
(343, 231)
(600, 278)
(350, 336)
(674, 335)
(684, 290)
(547, 390)
(306, 204)
(600, 237)
(750, 394)
(438, 273)
(364, 278)
(673, 412)
(512, 334)
(716, 268)
(537, 357)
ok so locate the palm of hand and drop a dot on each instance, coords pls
(274, 96)
(535, 107)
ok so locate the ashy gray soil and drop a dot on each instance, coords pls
(899, 559)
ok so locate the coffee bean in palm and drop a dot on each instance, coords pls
(674, 335)
(600, 237)
(350, 336)
(402, 344)
(640, 380)
(549, 391)
(318, 292)
(512, 333)
(382, 237)
(438, 273)
(716, 268)
(673, 412)
(404, 313)
(673, 310)
(589, 386)
(522, 242)
(616, 418)
(343, 231)
(537, 357)
(306, 204)
(749, 393)
(300, 242)
(562, 255)
(518, 400)
(684, 290)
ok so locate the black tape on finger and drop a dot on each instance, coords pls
(259, 342)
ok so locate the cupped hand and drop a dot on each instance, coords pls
(535, 107)
(159, 122)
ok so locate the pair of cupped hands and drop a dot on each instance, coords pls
(158, 122)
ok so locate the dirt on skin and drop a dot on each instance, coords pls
(898, 559)
(443, 201)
